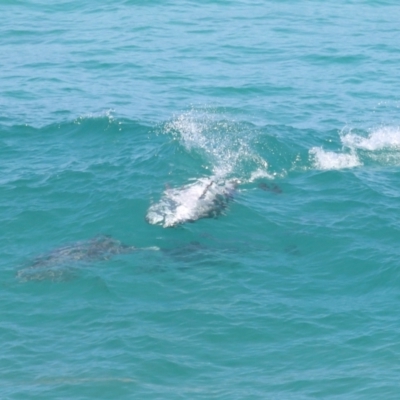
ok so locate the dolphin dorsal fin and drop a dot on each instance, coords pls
(205, 190)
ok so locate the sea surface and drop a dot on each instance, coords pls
(288, 287)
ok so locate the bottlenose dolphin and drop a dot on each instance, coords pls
(206, 197)
(57, 263)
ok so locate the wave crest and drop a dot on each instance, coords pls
(380, 145)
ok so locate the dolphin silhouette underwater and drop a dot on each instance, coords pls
(57, 264)
(204, 198)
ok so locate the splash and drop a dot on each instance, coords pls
(381, 145)
(327, 160)
(260, 174)
(379, 139)
(225, 145)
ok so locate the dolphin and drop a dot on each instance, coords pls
(205, 197)
(56, 264)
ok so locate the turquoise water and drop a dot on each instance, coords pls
(290, 290)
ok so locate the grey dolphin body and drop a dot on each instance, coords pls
(57, 264)
(205, 197)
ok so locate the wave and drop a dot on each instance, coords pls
(380, 145)
(103, 121)
(208, 142)
(380, 139)
(326, 160)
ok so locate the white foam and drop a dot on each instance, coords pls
(223, 143)
(379, 139)
(329, 160)
(151, 248)
(259, 174)
(380, 145)
(101, 114)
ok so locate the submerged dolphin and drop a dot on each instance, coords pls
(206, 197)
(55, 264)
(98, 248)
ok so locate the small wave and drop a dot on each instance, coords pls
(84, 123)
(107, 114)
(381, 146)
(379, 139)
(328, 160)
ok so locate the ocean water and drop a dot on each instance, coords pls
(266, 132)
